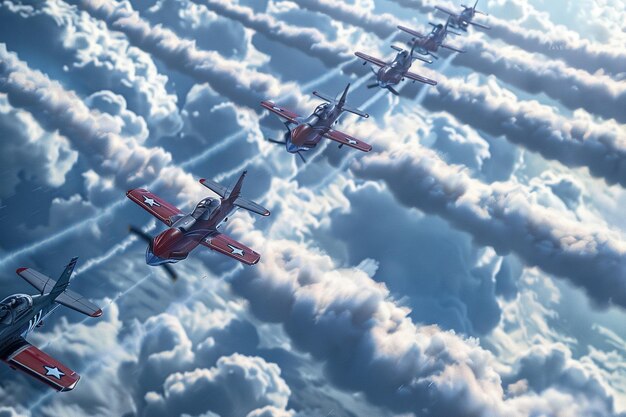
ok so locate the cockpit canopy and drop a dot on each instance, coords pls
(319, 110)
(205, 207)
(14, 306)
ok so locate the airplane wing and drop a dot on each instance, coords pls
(284, 113)
(68, 298)
(230, 247)
(443, 45)
(37, 364)
(479, 25)
(217, 188)
(411, 31)
(416, 77)
(371, 59)
(446, 11)
(347, 140)
(155, 205)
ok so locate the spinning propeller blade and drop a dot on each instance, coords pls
(147, 238)
(392, 90)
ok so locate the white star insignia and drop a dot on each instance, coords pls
(235, 250)
(352, 141)
(150, 201)
(55, 372)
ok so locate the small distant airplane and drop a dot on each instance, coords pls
(20, 314)
(200, 227)
(304, 134)
(429, 44)
(465, 18)
(390, 74)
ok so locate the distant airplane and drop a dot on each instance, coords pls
(429, 44)
(465, 18)
(200, 227)
(304, 134)
(390, 74)
(20, 314)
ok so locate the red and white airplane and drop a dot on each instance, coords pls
(20, 314)
(200, 227)
(304, 134)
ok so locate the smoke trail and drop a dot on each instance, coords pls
(444, 66)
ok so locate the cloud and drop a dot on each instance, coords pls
(580, 142)
(29, 152)
(308, 40)
(381, 24)
(227, 77)
(506, 217)
(83, 49)
(96, 135)
(574, 88)
(237, 385)
(563, 45)
(343, 318)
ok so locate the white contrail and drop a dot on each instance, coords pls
(110, 209)
(213, 149)
(60, 235)
(425, 88)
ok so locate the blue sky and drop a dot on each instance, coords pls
(472, 264)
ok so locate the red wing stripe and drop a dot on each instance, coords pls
(419, 78)
(154, 205)
(230, 247)
(282, 112)
(371, 59)
(39, 365)
(348, 140)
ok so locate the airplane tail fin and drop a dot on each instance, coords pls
(61, 285)
(341, 102)
(234, 196)
(236, 190)
(58, 291)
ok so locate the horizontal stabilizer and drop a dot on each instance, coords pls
(68, 298)
(324, 97)
(215, 187)
(356, 111)
(250, 205)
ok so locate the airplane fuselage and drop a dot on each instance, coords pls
(25, 322)
(394, 73)
(432, 42)
(310, 131)
(175, 243)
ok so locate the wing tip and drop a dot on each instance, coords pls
(98, 313)
(20, 270)
(202, 180)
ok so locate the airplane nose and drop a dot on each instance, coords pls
(152, 259)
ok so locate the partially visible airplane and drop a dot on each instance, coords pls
(200, 227)
(390, 74)
(304, 134)
(465, 18)
(429, 44)
(20, 314)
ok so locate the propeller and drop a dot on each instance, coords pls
(278, 142)
(146, 237)
(392, 90)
